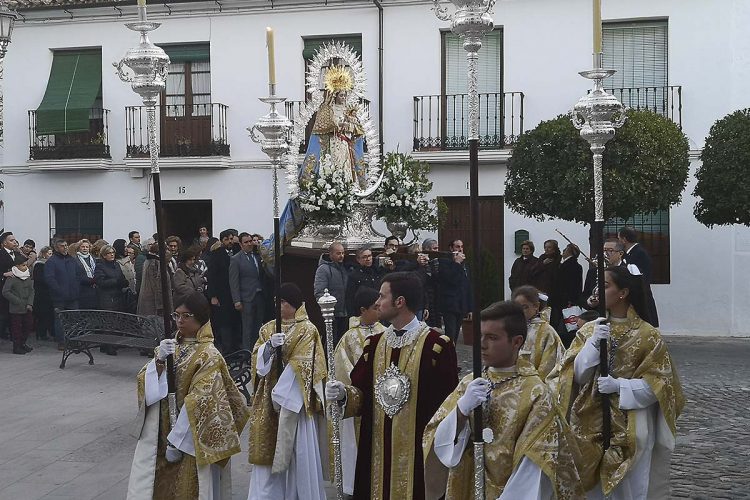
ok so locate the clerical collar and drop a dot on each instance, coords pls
(618, 320)
(411, 325)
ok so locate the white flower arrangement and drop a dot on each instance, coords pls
(326, 197)
(403, 193)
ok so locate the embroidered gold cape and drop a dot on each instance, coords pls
(526, 423)
(303, 351)
(215, 407)
(350, 348)
(391, 448)
(543, 346)
(640, 353)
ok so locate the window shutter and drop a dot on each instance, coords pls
(638, 52)
(490, 64)
(456, 99)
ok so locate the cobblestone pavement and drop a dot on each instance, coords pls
(65, 434)
(712, 454)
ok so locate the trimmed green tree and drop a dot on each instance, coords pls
(645, 169)
(723, 188)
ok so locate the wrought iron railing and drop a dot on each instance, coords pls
(441, 122)
(292, 112)
(93, 143)
(666, 100)
(197, 130)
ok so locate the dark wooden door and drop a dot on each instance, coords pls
(456, 224)
(183, 218)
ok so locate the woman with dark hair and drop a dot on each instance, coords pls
(119, 246)
(187, 278)
(543, 346)
(190, 460)
(644, 395)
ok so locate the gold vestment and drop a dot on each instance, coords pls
(302, 351)
(215, 407)
(639, 352)
(526, 423)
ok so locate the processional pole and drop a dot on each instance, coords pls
(271, 132)
(145, 68)
(471, 21)
(597, 114)
(327, 304)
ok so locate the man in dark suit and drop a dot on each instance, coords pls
(223, 315)
(570, 277)
(613, 252)
(636, 254)
(9, 257)
(454, 289)
(246, 279)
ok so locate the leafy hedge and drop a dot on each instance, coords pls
(723, 188)
(645, 169)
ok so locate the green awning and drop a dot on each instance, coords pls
(194, 52)
(75, 81)
(314, 43)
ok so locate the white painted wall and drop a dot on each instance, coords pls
(546, 43)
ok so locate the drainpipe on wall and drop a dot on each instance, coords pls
(380, 75)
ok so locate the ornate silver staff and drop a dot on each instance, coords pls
(597, 115)
(271, 133)
(327, 305)
(145, 68)
(471, 20)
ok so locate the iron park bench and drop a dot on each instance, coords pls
(238, 363)
(87, 329)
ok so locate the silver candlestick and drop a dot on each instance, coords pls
(327, 305)
(471, 21)
(271, 132)
(145, 68)
(597, 115)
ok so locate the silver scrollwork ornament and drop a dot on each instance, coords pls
(392, 390)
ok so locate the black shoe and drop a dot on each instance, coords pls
(17, 349)
(27, 348)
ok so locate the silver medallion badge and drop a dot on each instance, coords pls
(392, 390)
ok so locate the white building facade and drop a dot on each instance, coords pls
(687, 59)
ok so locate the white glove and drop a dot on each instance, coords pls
(608, 384)
(173, 454)
(277, 339)
(166, 347)
(475, 395)
(600, 332)
(335, 390)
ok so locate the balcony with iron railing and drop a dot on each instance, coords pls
(91, 143)
(666, 100)
(195, 130)
(293, 109)
(441, 122)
